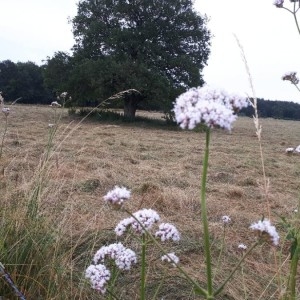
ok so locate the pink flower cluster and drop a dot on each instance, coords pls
(167, 232)
(98, 275)
(278, 3)
(142, 220)
(117, 196)
(123, 257)
(212, 107)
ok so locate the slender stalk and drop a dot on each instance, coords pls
(219, 290)
(143, 269)
(204, 217)
(221, 252)
(199, 289)
(295, 17)
(10, 282)
(115, 274)
(3, 136)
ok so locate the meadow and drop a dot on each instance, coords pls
(65, 176)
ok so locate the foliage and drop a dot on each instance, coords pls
(56, 72)
(25, 80)
(157, 48)
(275, 109)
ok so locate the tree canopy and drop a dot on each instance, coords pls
(156, 47)
(23, 80)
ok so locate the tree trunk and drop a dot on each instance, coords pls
(130, 105)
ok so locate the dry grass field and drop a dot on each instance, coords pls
(162, 168)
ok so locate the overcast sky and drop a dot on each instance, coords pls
(31, 30)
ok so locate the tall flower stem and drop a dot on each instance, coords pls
(204, 218)
(196, 285)
(293, 273)
(143, 268)
(219, 290)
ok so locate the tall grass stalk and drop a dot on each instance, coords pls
(4, 135)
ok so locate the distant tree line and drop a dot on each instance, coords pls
(23, 80)
(274, 109)
(27, 81)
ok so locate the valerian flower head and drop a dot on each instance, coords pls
(6, 111)
(226, 219)
(266, 231)
(212, 107)
(171, 257)
(142, 220)
(168, 232)
(278, 3)
(117, 196)
(123, 225)
(291, 76)
(55, 104)
(123, 257)
(98, 275)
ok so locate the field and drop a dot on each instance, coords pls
(66, 178)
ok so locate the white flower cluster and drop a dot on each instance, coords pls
(55, 104)
(265, 229)
(242, 247)
(6, 111)
(123, 257)
(142, 218)
(168, 232)
(117, 196)
(171, 257)
(226, 219)
(98, 275)
(63, 94)
(212, 107)
(291, 76)
(278, 3)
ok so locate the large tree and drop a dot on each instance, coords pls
(158, 47)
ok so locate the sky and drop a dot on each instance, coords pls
(32, 30)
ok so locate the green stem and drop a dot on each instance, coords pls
(202, 291)
(115, 274)
(204, 217)
(293, 274)
(219, 290)
(221, 251)
(143, 269)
